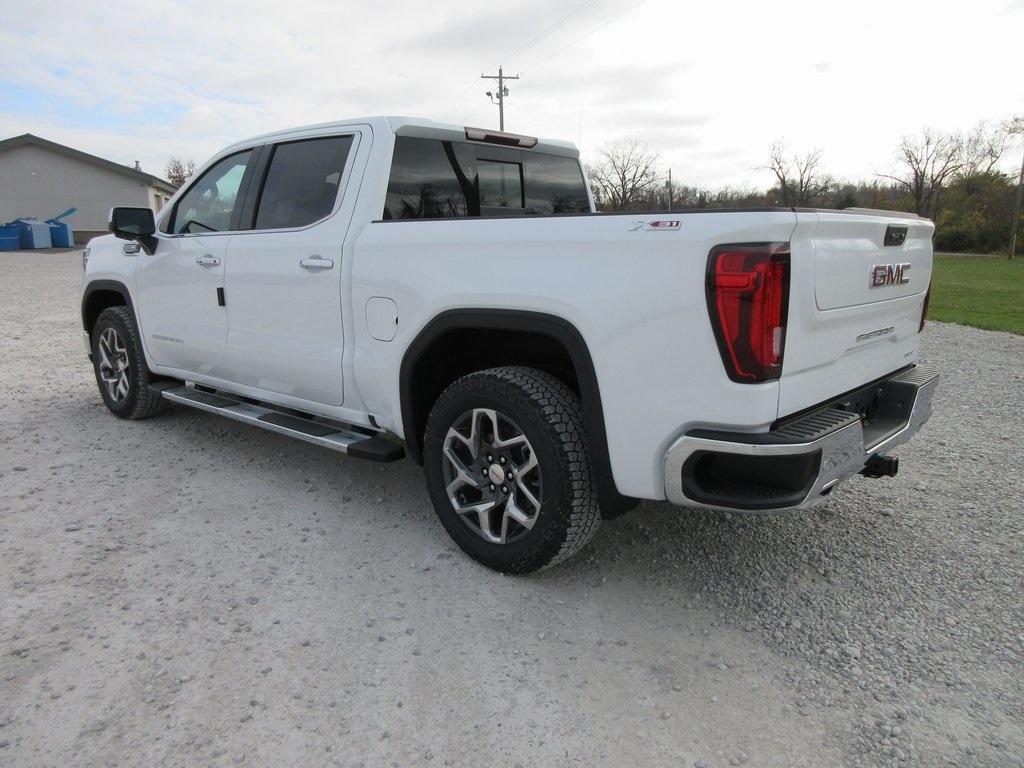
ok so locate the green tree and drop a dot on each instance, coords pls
(973, 212)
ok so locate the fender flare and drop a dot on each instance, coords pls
(112, 286)
(558, 328)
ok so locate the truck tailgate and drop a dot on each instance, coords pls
(857, 287)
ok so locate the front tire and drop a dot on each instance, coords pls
(120, 366)
(509, 470)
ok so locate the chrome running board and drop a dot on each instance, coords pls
(338, 437)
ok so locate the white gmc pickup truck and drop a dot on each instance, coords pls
(391, 286)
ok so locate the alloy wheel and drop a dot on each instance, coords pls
(114, 365)
(491, 475)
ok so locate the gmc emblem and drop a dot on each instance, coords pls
(889, 274)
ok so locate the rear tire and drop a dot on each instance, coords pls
(120, 366)
(509, 469)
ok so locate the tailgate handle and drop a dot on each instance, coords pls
(895, 234)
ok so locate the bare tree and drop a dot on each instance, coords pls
(983, 148)
(721, 197)
(801, 180)
(179, 171)
(691, 197)
(1014, 126)
(625, 174)
(930, 159)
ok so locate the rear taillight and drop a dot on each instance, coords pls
(924, 309)
(748, 300)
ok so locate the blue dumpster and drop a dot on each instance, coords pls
(9, 239)
(33, 233)
(61, 234)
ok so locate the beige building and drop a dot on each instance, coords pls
(40, 178)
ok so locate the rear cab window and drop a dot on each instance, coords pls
(554, 184)
(501, 185)
(432, 178)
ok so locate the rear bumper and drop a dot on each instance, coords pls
(798, 463)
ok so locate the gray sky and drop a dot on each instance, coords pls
(710, 84)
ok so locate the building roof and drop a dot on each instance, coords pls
(85, 157)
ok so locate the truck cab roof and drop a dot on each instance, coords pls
(401, 125)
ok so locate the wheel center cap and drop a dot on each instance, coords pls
(496, 474)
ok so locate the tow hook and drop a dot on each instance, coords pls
(881, 466)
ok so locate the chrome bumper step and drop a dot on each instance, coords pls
(799, 463)
(338, 437)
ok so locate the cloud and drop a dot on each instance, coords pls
(670, 141)
(652, 122)
(625, 83)
(146, 79)
(481, 28)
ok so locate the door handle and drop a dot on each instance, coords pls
(206, 260)
(316, 262)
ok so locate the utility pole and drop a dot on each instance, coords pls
(1016, 212)
(668, 185)
(501, 77)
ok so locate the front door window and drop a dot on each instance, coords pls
(209, 204)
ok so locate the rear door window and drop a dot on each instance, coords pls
(302, 182)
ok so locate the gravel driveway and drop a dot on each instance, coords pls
(188, 591)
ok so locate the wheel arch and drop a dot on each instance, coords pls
(420, 382)
(101, 294)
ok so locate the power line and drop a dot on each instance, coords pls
(582, 38)
(526, 46)
(502, 92)
(469, 92)
(557, 25)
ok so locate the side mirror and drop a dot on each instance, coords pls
(137, 224)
